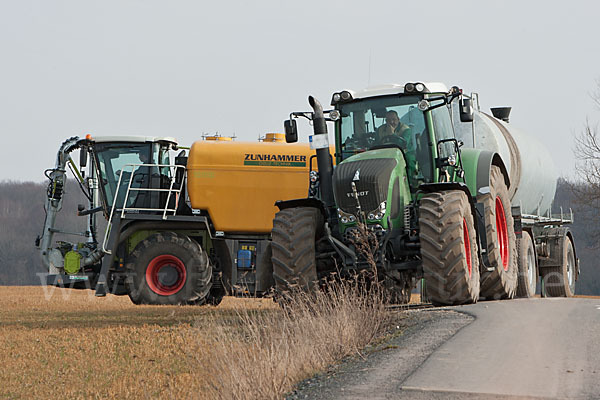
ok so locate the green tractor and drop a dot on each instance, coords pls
(405, 200)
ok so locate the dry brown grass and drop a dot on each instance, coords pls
(267, 354)
(77, 346)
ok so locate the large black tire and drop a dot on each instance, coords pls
(449, 248)
(528, 273)
(293, 249)
(560, 281)
(168, 268)
(501, 282)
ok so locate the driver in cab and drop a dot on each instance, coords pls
(393, 131)
(396, 132)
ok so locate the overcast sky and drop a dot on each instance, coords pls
(184, 68)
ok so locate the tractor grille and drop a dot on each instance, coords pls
(372, 184)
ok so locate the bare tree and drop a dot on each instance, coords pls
(587, 152)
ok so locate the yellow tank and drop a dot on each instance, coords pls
(238, 183)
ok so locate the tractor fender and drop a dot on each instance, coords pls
(478, 166)
(305, 202)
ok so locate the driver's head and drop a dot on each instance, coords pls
(391, 119)
(143, 158)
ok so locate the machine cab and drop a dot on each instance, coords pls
(132, 163)
(412, 117)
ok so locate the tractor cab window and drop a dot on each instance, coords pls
(387, 120)
(443, 129)
(125, 162)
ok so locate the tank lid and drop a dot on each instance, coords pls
(501, 113)
(218, 138)
(274, 137)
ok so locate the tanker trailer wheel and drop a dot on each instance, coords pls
(168, 268)
(293, 249)
(449, 248)
(501, 282)
(560, 281)
(526, 260)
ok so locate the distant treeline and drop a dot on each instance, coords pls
(22, 218)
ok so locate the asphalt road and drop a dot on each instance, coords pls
(512, 349)
(547, 348)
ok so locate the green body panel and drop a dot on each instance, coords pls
(469, 159)
(72, 262)
(136, 238)
(398, 173)
(434, 150)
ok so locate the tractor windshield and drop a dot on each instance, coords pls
(387, 120)
(114, 160)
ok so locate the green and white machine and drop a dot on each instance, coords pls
(425, 186)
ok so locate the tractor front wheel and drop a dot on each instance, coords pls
(293, 249)
(449, 248)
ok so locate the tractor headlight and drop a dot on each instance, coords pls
(336, 98)
(377, 214)
(345, 218)
(409, 87)
(419, 87)
(334, 115)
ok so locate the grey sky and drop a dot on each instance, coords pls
(183, 68)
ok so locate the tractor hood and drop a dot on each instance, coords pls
(371, 173)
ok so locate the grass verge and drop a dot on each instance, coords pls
(74, 345)
(267, 354)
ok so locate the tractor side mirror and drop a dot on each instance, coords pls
(83, 157)
(291, 131)
(466, 110)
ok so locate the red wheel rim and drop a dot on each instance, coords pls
(467, 245)
(502, 232)
(165, 275)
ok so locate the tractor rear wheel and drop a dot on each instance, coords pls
(501, 281)
(560, 281)
(449, 248)
(168, 268)
(293, 249)
(526, 259)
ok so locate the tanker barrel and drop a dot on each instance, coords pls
(323, 156)
(530, 166)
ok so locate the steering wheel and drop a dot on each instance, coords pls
(394, 139)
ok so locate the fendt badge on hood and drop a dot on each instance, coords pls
(356, 175)
(360, 194)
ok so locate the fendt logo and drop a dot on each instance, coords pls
(356, 175)
(277, 160)
(360, 194)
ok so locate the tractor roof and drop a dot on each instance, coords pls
(382, 90)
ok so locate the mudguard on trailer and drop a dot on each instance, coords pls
(555, 239)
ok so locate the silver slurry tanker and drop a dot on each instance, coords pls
(533, 174)
(545, 246)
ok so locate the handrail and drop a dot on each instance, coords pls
(134, 167)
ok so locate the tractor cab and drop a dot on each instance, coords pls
(412, 118)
